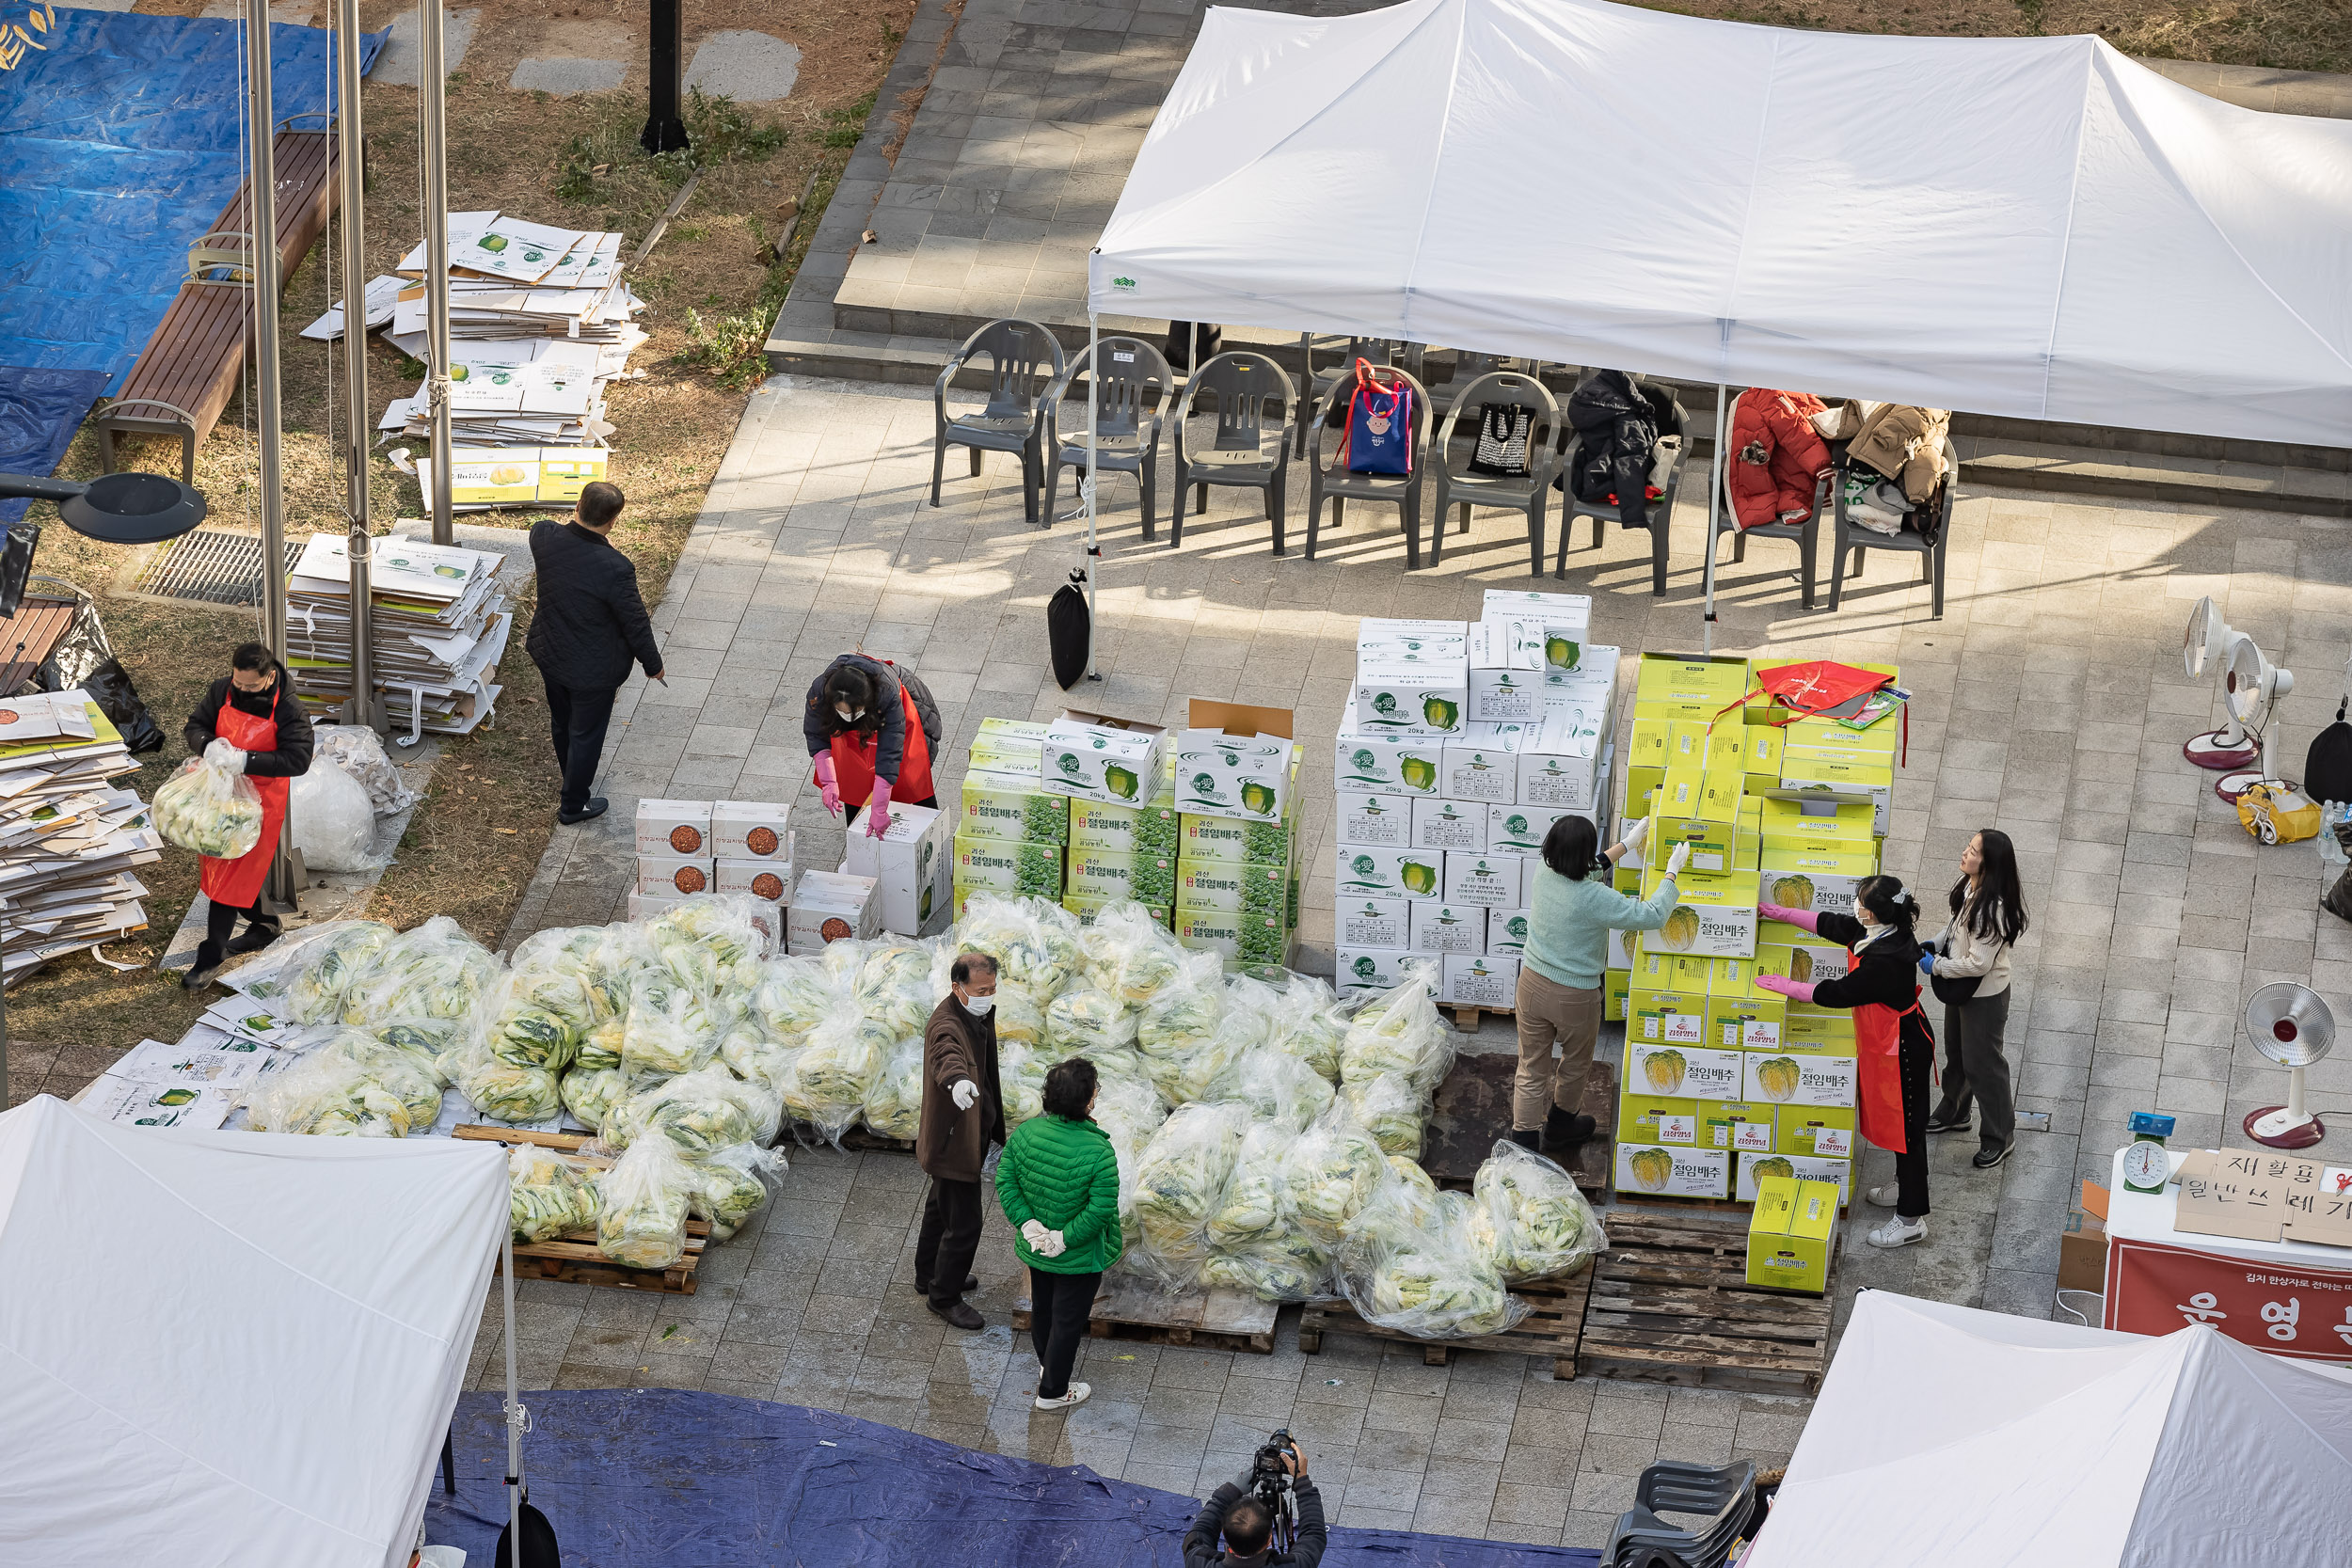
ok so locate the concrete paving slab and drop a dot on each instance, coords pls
(401, 64)
(565, 77)
(748, 67)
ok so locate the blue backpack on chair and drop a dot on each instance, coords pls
(1379, 435)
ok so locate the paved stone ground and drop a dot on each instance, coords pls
(2050, 703)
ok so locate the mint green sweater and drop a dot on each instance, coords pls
(1568, 923)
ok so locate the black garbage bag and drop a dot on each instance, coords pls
(85, 659)
(2336, 900)
(1069, 631)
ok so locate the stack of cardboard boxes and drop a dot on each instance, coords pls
(1011, 833)
(1727, 1083)
(1235, 782)
(1461, 745)
(734, 846)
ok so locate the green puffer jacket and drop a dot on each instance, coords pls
(1064, 1175)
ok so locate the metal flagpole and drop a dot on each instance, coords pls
(365, 707)
(284, 884)
(1094, 418)
(433, 95)
(1714, 486)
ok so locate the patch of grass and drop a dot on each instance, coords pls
(2282, 35)
(843, 126)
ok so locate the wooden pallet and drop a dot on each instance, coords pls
(1473, 1110)
(1671, 1304)
(1668, 1201)
(1468, 1016)
(574, 1258)
(1215, 1320)
(1555, 1327)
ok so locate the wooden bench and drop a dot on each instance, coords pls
(185, 375)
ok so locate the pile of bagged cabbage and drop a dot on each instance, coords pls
(1265, 1131)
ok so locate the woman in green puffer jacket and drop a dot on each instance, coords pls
(1059, 1183)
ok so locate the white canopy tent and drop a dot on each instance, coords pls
(2036, 227)
(1944, 1436)
(230, 1347)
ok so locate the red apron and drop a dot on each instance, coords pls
(1879, 1035)
(853, 762)
(237, 884)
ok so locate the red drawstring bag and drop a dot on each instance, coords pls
(1817, 685)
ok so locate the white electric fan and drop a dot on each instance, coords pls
(2203, 649)
(2293, 1027)
(2251, 690)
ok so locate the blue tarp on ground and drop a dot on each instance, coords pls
(634, 1477)
(40, 411)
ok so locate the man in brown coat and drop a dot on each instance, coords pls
(963, 1112)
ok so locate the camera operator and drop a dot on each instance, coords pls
(1246, 1512)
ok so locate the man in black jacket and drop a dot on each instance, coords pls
(589, 626)
(1235, 1512)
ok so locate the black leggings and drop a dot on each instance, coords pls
(1915, 1064)
(221, 919)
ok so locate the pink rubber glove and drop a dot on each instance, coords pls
(825, 786)
(1796, 991)
(878, 810)
(1802, 919)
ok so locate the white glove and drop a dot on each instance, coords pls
(1035, 1233)
(1639, 836)
(226, 757)
(1675, 862)
(965, 1093)
(1052, 1246)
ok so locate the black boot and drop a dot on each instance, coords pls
(1567, 1128)
(200, 973)
(1528, 1138)
(259, 934)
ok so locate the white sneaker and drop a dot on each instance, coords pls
(1078, 1392)
(1895, 1232)
(1883, 1197)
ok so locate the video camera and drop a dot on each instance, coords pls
(1271, 1483)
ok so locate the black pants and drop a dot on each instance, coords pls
(950, 1239)
(1974, 1069)
(1915, 1065)
(1059, 1305)
(577, 716)
(221, 919)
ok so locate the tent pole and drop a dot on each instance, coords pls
(1714, 490)
(514, 1408)
(1094, 420)
(433, 101)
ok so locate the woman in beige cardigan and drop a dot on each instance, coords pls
(1968, 966)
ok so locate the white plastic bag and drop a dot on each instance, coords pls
(894, 1100)
(824, 1081)
(1336, 1170)
(334, 823)
(645, 1199)
(1180, 1182)
(1399, 1030)
(303, 978)
(1541, 1224)
(208, 810)
(735, 1185)
(699, 1112)
(547, 1194)
(358, 751)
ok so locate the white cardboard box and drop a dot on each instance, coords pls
(770, 881)
(1520, 830)
(1243, 776)
(1483, 764)
(913, 864)
(1443, 927)
(1371, 968)
(1541, 619)
(674, 827)
(829, 906)
(1389, 637)
(1450, 824)
(1374, 922)
(679, 875)
(1091, 756)
(1384, 764)
(750, 831)
(1391, 873)
(1506, 933)
(1504, 684)
(1375, 821)
(1561, 764)
(1473, 877)
(1481, 980)
(1395, 697)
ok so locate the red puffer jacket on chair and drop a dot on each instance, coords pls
(1776, 457)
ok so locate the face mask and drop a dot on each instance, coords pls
(979, 1007)
(849, 716)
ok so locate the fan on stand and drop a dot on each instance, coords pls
(2293, 1027)
(2251, 690)
(2204, 647)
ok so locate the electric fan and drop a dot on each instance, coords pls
(2203, 648)
(2251, 690)
(2293, 1027)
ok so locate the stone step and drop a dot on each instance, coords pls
(2081, 460)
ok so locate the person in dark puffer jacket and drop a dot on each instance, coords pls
(1058, 1183)
(589, 626)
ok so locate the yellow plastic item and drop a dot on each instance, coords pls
(2278, 813)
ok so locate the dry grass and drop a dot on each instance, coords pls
(2285, 35)
(490, 808)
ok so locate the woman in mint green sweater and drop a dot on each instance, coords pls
(1570, 912)
(1059, 1183)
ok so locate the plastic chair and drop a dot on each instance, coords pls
(1660, 515)
(1316, 385)
(1253, 446)
(1531, 494)
(1805, 535)
(1025, 359)
(1136, 386)
(1722, 1496)
(1852, 536)
(1339, 486)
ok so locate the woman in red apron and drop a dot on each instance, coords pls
(1894, 1043)
(250, 724)
(872, 728)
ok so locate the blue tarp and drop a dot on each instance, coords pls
(119, 143)
(635, 1477)
(40, 411)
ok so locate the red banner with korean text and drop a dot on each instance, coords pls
(2283, 1308)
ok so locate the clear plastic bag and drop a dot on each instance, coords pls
(358, 751)
(793, 996)
(434, 971)
(500, 1091)
(671, 1028)
(1020, 1017)
(334, 822)
(1309, 1025)
(208, 810)
(1180, 1182)
(699, 1112)
(1185, 1015)
(1439, 1289)
(894, 1100)
(893, 987)
(1336, 1170)
(303, 976)
(600, 1048)
(547, 1194)
(1035, 943)
(711, 943)
(1541, 1224)
(1256, 1203)
(735, 1185)
(749, 1054)
(524, 1033)
(590, 1093)
(1085, 1020)
(556, 969)
(1392, 1109)
(824, 1081)
(1130, 954)
(1021, 1077)
(1126, 1105)
(1276, 1088)
(1398, 1031)
(1205, 1070)
(645, 1200)
(1286, 1265)
(426, 1040)
(330, 1093)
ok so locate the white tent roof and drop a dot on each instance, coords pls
(229, 1348)
(1948, 1437)
(2029, 226)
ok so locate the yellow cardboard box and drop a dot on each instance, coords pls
(1818, 1031)
(1822, 881)
(1616, 986)
(1701, 682)
(1879, 741)
(1824, 1131)
(1665, 1018)
(1652, 1119)
(1714, 916)
(1741, 1126)
(1792, 1234)
(1833, 772)
(1792, 1078)
(1817, 823)
(1747, 1023)
(1684, 1071)
(1756, 1168)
